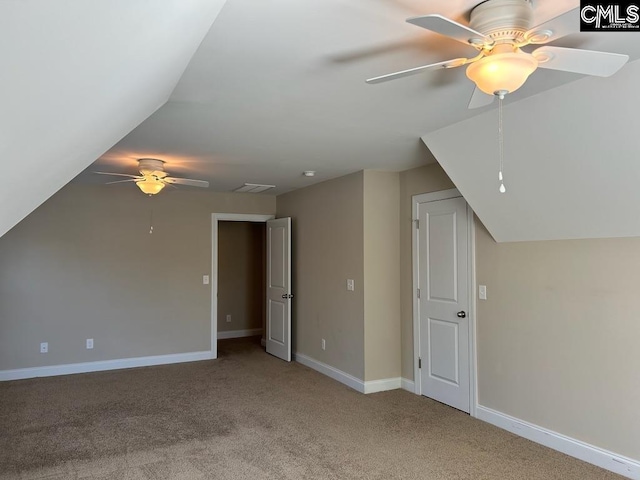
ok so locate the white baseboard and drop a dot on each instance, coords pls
(384, 385)
(372, 386)
(329, 371)
(575, 448)
(408, 385)
(239, 333)
(86, 367)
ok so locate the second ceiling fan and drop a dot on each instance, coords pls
(498, 29)
(153, 178)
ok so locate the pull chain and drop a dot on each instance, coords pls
(151, 220)
(501, 144)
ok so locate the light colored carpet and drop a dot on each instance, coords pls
(248, 415)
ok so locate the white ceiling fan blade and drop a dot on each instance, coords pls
(123, 181)
(480, 99)
(186, 181)
(412, 71)
(118, 174)
(446, 26)
(557, 27)
(586, 62)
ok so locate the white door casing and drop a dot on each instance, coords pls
(442, 280)
(278, 335)
(215, 218)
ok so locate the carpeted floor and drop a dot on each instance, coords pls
(248, 415)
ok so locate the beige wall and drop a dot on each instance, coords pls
(347, 228)
(327, 224)
(381, 275)
(241, 275)
(558, 336)
(430, 178)
(83, 265)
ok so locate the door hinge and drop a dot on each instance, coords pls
(417, 222)
(418, 293)
(419, 362)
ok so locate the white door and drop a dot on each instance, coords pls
(279, 295)
(444, 302)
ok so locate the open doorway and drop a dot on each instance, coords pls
(241, 279)
(238, 272)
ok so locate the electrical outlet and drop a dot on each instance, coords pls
(324, 344)
(44, 347)
(89, 343)
(350, 285)
(482, 292)
(228, 318)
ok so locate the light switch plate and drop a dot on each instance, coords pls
(89, 343)
(205, 279)
(350, 285)
(482, 292)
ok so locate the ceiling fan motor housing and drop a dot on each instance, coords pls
(503, 20)
(150, 166)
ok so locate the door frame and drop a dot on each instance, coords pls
(215, 218)
(471, 286)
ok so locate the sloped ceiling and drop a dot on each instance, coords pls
(78, 75)
(572, 162)
(278, 87)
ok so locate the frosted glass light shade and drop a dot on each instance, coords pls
(502, 70)
(150, 186)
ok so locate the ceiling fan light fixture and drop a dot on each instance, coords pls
(505, 68)
(150, 186)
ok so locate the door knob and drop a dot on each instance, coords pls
(462, 314)
(285, 295)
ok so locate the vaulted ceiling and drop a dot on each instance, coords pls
(79, 75)
(275, 88)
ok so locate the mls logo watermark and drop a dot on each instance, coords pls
(609, 16)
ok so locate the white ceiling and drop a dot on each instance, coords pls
(277, 88)
(78, 75)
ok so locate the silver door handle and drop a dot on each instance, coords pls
(290, 295)
(461, 314)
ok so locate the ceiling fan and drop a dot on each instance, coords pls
(498, 29)
(153, 178)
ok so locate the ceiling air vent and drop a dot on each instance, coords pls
(253, 188)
